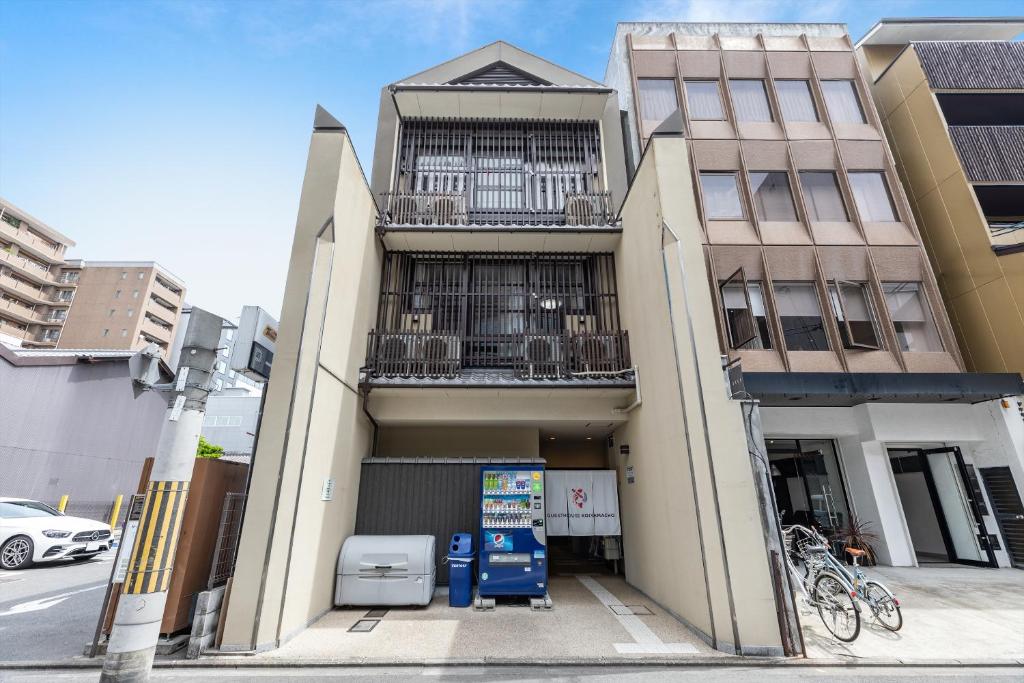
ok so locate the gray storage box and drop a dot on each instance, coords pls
(385, 570)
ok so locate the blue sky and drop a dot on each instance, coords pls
(145, 129)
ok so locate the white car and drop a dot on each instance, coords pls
(31, 532)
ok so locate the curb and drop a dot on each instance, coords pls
(249, 662)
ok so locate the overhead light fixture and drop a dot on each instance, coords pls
(551, 438)
(590, 438)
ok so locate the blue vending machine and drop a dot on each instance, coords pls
(513, 544)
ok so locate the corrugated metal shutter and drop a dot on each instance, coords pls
(436, 496)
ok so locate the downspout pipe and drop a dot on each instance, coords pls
(376, 427)
(639, 396)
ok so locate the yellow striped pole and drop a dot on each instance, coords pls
(116, 512)
(62, 505)
(149, 570)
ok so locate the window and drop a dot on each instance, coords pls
(124, 274)
(703, 100)
(800, 315)
(11, 220)
(796, 102)
(124, 332)
(821, 193)
(772, 199)
(218, 384)
(135, 294)
(112, 312)
(225, 351)
(131, 312)
(808, 484)
(106, 332)
(721, 196)
(657, 102)
(745, 318)
(871, 194)
(854, 317)
(842, 102)
(142, 274)
(117, 294)
(221, 367)
(750, 100)
(915, 329)
(229, 334)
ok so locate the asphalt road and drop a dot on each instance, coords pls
(48, 612)
(604, 674)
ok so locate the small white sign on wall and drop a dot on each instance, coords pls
(327, 492)
(630, 475)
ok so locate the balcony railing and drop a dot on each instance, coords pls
(523, 356)
(449, 209)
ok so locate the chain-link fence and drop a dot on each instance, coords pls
(228, 534)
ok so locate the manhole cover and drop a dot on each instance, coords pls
(630, 609)
(364, 626)
(375, 614)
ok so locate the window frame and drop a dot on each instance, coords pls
(808, 205)
(850, 342)
(810, 96)
(850, 174)
(926, 307)
(856, 96)
(767, 100)
(739, 196)
(718, 91)
(813, 284)
(742, 281)
(641, 114)
(789, 189)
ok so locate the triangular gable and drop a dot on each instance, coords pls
(485, 61)
(499, 73)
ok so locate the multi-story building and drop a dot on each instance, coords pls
(35, 288)
(819, 282)
(950, 96)
(123, 305)
(495, 297)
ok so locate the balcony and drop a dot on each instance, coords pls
(29, 268)
(478, 320)
(498, 185)
(32, 243)
(158, 332)
(13, 329)
(19, 311)
(21, 287)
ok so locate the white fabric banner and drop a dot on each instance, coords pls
(582, 503)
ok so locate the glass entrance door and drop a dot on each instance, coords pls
(940, 506)
(808, 484)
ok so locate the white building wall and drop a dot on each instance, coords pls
(988, 435)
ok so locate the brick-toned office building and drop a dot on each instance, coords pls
(822, 288)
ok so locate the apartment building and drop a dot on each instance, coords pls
(950, 95)
(123, 305)
(496, 293)
(35, 288)
(820, 285)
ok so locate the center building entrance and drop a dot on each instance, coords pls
(808, 484)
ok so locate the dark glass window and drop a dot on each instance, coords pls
(746, 317)
(854, 315)
(800, 316)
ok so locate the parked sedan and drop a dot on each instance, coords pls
(31, 532)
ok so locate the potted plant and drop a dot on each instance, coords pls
(857, 534)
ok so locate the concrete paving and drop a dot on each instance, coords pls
(580, 626)
(962, 613)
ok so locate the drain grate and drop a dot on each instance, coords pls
(364, 626)
(624, 610)
(375, 614)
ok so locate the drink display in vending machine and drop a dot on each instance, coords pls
(513, 550)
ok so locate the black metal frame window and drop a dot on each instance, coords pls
(498, 172)
(500, 309)
(854, 314)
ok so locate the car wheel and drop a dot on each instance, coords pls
(81, 558)
(16, 553)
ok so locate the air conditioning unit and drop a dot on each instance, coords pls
(441, 355)
(597, 353)
(579, 210)
(448, 210)
(404, 210)
(543, 355)
(397, 354)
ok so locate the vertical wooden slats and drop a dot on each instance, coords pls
(540, 316)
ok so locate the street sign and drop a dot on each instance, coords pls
(128, 533)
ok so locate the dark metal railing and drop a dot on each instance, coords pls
(561, 355)
(456, 209)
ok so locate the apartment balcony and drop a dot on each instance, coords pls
(23, 289)
(51, 252)
(11, 329)
(29, 268)
(478, 185)
(20, 312)
(155, 330)
(163, 303)
(172, 297)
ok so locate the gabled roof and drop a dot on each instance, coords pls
(499, 65)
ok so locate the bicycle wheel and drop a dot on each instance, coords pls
(836, 607)
(883, 605)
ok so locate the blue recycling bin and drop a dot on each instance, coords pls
(460, 570)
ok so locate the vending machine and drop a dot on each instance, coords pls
(513, 544)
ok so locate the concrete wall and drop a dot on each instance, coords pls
(78, 429)
(691, 529)
(984, 293)
(313, 427)
(458, 442)
(235, 439)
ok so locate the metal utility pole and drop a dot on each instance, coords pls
(140, 608)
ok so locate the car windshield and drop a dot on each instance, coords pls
(11, 509)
